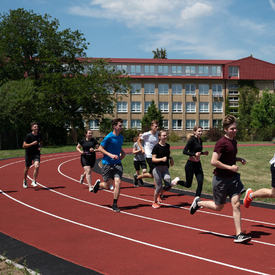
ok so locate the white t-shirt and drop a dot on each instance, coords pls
(150, 141)
(272, 161)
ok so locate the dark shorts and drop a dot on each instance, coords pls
(29, 158)
(272, 169)
(111, 171)
(151, 165)
(87, 160)
(140, 164)
(223, 187)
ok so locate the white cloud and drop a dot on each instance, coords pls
(248, 24)
(272, 4)
(197, 10)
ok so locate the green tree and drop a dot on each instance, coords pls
(160, 54)
(263, 116)
(31, 45)
(153, 113)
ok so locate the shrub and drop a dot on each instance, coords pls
(214, 134)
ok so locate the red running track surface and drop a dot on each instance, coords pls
(62, 218)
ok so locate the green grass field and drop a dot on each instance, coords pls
(255, 174)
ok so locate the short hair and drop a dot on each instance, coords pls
(116, 121)
(154, 122)
(34, 123)
(160, 132)
(228, 120)
(196, 128)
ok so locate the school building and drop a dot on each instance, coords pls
(187, 92)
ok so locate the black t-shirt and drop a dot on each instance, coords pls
(35, 149)
(193, 146)
(161, 151)
(87, 145)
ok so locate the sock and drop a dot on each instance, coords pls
(115, 202)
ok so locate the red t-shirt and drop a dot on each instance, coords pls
(228, 150)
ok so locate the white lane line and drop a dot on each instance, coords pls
(134, 240)
(170, 205)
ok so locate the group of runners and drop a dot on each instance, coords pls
(151, 148)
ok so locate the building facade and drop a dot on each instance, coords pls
(187, 92)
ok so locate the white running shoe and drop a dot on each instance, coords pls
(34, 184)
(111, 187)
(91, 189)
(25, 184)
(175, 181)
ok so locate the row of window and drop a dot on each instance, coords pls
(183, 70)
(190, 107)
(177, 124)
(177, 89)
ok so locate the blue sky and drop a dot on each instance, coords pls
(187, 29)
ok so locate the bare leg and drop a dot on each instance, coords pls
(264, 193)
(235, 201)
(36, 170)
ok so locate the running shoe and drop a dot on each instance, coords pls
(25, 184)
(141, 182)
(194, 206)
(111, 187)
(247, 199)
(82, 179)
(242, 238)
(175, 181)
(34, 184)
(96, 186)
(115, 208)
(155, 205)
(135, 180)
(91, 189)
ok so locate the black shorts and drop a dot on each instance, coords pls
(29, 158)
(140, 164)
(272, 169)
(112, 171)
(151, 165)
(87, 160)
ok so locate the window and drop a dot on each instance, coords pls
(163, 70)
(125, 123)
(136, 123)
(204, 123)
(203, 89)
(122, 107)
(217, 107)
(234, 71)
(203, 70)
(94, 124)
(177, 107)
(135, 69)
(190, 124)
(217, 123)
(149, 69)
(135, 107)
(135, 88)
(217, 90)
(233, 104)
(165, 124)
(216, 71)
(163, 89)
(190, 107)
(149, 88)
(176, 89)
(176, 70)
(204, 107)
(147, 105)
(164, 107)
(190, 70)
(190, 89)
(177, 124)
(122, 68)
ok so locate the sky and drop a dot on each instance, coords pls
(187, 29)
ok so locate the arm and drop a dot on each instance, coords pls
(140, 145)
(172, 161)
(27, 145)
(155, 159)
(188, 146)
(218, 164)
(78, 148)
(243, 161)
(103, 151)
(122, 154)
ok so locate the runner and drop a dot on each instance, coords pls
(87, 148)
(263, 192)
(161, 159)
(32, 145)
(139, 160)
(193, 166)
(112, 169)
(226, 181)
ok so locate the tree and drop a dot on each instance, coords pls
(263, 116)
(31, 45)
(152, 114)
(160, 54)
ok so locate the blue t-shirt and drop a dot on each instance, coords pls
(112, 144)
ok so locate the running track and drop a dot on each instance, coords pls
(62, 218)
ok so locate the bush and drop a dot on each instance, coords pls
(129, 134)
(214, 134)
(173, 137)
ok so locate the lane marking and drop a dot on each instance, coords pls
(134, 240)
